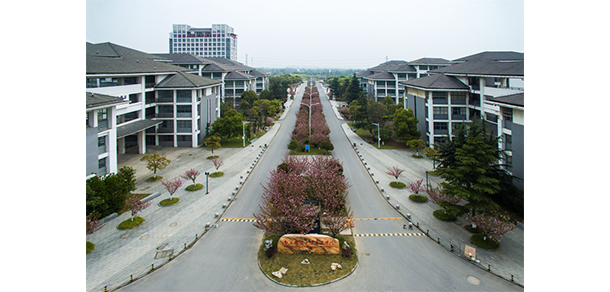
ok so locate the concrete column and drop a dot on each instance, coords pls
(121, 145)
(142, 142)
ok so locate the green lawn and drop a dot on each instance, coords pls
(387, 144)
(317, 272)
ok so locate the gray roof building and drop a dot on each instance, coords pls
(109, 58)
(482, 67)
(493, 56)
(437, 82)
(186, 80)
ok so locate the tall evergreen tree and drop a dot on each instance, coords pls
(405, 125)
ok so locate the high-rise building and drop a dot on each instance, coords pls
(218, 41)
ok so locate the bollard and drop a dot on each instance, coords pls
(408, 215)
(427, 231)
(196, 236)
(105, 288)
(153, 266)
(488, 268)
(438, 240)
(131, 278)
(451, 247)
(512, 279)
(417, 224)
(397, 207)
(170, 256)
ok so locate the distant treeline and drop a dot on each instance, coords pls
(315, 72)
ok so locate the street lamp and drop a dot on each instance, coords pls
(207, 174)
(378, 138)
(243, 137)
(309, 106)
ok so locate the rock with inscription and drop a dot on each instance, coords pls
(283, 271)
(277, 274)
(305, 262)
(308, 244)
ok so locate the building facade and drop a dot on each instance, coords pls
(218, 41)
(161, 104)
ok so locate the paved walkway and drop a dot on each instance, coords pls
(121, 254)
(504, 262)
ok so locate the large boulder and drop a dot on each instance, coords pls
(308, 244)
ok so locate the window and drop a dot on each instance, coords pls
(101, 166)
(440, 128)
(508, 142)
(423, 67)
(184, 111)
(458, 113)
(458, 98)
(101, 145)
(440, 112)
(133, 98)
(183, 95)
(439, 97)
(109, 81)
(183, 126)
(102, 119)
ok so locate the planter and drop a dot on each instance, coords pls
(169, 202)
(418, 198)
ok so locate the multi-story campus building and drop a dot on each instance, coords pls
(489, 85)
(218, 41)
(383, 80)
(235, 77)
(135, 99)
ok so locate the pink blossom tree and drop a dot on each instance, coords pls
(92, 224)
(395, 171)
(337, 221)
(415, 187)
(191, 174)
(136, 206)
(436, 195)
(218, 162)
(172, 185)
(493, 225)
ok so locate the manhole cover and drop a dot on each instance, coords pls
(164, 253)
(144, 237)
(473, 280)
(173, 224)
(162, 246)
(125, 235)
(457, 222)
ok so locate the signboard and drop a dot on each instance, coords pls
(307, 147)
(308, 244)
(470, 252)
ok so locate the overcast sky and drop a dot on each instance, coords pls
(326, 34)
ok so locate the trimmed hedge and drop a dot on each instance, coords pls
(418, 198)
(217, 174)
(90, 246)
(128, 224)
(397, 185)
(194, 187)
(169, 202)
(442, 214)
(477, 239)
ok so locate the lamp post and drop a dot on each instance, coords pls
(309, 106)
(243, 137)
(378, 138)
(207, 174)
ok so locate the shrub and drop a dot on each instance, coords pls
(418, 198)
(487, 243)
(128, 224)
(347, 252)
(472, 230)
(90, 246)
(169, 202)
(417, 156)
(194, 187)
(294, 145)
(397, 184)
(217, 174)
(270, 252)
(442, 214)
(213, 156)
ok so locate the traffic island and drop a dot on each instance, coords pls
(306, 268)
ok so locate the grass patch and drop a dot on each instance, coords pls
(417, 156)
(217, 174)
(194, 187)
(128, 224)
(477, 239)
(397, 185)
(154, 178)
(442, 214)
(90, 246)
(418, 198)
(319, 264)
(212, 156)
(169, 202)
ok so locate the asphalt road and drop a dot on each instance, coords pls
(225, 259)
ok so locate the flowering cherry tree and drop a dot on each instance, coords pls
(415, 187)
(493, 225)
(337, 221)
(172, 185)
(395, 171)
(218, 162)
(92, 224)
(436, 195)
(136, 206)
(191, 174)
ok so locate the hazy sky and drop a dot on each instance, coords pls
(328, 34)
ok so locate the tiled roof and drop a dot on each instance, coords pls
(430, 61)
(393, 66)
(180, 59)
(134, 127)
(380, 76)
(436, 81)
(109, 58)
(186, 80)
(98, 100)
(239, 76)
(513, 99)
(483, 68)
(492, 55)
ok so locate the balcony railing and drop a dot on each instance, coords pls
(458, 117)
(441, 116)
(184, 130)
(184, 115)
(165, 115)
(165, 99)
